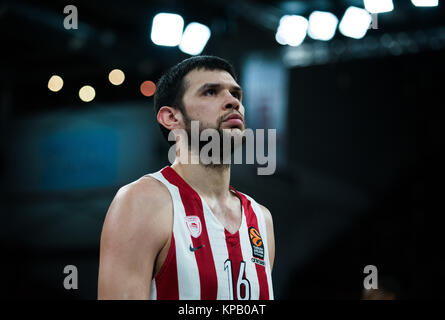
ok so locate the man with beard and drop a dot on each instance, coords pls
(184, 232)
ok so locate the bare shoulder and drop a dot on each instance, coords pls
(145, 196)
(139, 210)
(137, 226)
(267, 214)
(146, 191)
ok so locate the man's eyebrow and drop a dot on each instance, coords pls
(217, 86)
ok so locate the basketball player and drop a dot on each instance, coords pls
(184, 232)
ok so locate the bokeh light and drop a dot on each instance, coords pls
(116, 77)
(87, 93)
(148, 88)
(55, 83)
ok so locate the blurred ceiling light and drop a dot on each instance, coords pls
(280, 39)
(355, 22)
(55, 83)
(167, 29)
(322, 25)
(425, 3)
(116, 77)
(379, 6)
(195, 38)
(291, 30)
(87, 93)
(148, 88)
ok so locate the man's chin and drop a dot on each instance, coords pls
(240, 129)
(234, 130)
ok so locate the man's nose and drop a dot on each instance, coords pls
(232, 103)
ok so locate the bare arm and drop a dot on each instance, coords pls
(136, 228)
(270, 234)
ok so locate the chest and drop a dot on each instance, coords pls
(213, 262)
(229, 215)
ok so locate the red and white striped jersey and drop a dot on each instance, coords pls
(207, 262)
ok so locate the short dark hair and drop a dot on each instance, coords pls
(170, 88)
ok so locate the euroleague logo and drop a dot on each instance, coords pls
(257, 246)
(255, 237)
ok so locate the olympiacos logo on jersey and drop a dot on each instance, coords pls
(194, 225)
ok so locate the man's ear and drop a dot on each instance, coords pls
(170, 118)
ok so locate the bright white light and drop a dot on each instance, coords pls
(322, 25)
(279, 38)
(425, 3)
(87, 93)
(292, 30)
(116, 77)
(379, 6)
(355, 22)
(55, 83)
(167, 29)
(194, 39)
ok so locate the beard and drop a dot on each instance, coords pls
(227, 138)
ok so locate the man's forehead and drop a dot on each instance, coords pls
(198, 77)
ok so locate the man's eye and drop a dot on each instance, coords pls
(236, 94)
(209, 92)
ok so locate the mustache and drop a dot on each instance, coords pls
(219, 121)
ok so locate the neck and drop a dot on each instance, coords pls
(210, 181)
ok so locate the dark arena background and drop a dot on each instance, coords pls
(359, 176)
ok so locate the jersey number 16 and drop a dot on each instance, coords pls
(242, 281)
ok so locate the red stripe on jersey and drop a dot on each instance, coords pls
(204, 257)
(167, 278)
(252, 221)
(235, 256)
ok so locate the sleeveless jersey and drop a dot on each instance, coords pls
(207, 262)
